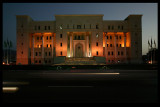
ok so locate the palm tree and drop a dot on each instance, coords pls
(5, 46)
(10, 46)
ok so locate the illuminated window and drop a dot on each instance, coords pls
(97, 35)
(60, 27)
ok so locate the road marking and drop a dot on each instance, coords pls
(71, 86)
(10, 89)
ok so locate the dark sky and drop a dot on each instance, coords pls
(111, 11)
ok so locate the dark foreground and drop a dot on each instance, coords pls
(102, 86)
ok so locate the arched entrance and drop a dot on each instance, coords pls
(79, 50)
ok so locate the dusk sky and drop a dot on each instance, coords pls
(111, 11)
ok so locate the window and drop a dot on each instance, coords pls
(109, 53)
(96, 43)
(61, 53)
(46, 53)
(112, 52)
(50, 37)
(84, 26)
(37, 46)
(35, 61)
(45, 28)
(107, 45)
(108, 27)
(39, 61)
(50, 45)
(61, 44)
(47, 37)
(22, 52)
(22, 43)
(110, 37)
(119, 37)
(78, 26)
(118, 53)
(41, 37)
(48, 27)
(78, 37)
(36, 53)
(60, 35)
(107, 37)
(119, 45)
(49, 53)
(97, 52)
(112, 27)
(110, 45)
(121, 52)
(41, 46)
(47, 45)
(67, 26)
(97, 27)
(97, 35)
(35, 28)
(122, 27)
(39, 53)
(38, 27)
(37, 38)
(118, 27)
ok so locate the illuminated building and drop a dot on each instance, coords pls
(39, 42)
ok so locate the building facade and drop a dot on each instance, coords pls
(39, 42)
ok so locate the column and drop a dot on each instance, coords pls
(71, 46)
(33, 47)
(105, 38)
(125, 46)
(52, 44)
(43, 47)
(115, 46)
(87, 46)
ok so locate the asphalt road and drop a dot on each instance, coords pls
(102, 86)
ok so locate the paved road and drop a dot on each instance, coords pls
(127, 86)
